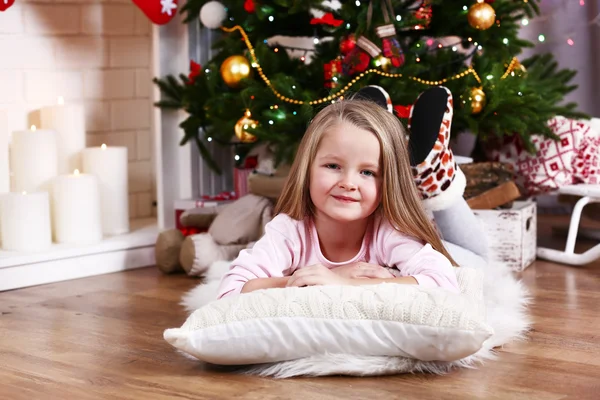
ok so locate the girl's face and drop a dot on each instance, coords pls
(345, 176)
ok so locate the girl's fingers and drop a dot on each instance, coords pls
(375, 273)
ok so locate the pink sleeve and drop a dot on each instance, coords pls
(412, 258)
(269, 257)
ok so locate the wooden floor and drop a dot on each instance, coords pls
(101, 338)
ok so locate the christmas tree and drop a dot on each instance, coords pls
(258, 90)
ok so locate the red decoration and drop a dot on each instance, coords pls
(188, 231)
(5, 4)
(158, 11)
(249, 6)
(250, 162)
(327, 19)
(331, 70)
(402, 111)
(356, 62)
(221, 196)
(424, 13)
(347, 44)
(195, 70)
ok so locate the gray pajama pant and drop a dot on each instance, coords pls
(462, 233)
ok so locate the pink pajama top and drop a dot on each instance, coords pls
(289, 244)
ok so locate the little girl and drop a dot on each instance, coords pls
(349, 208)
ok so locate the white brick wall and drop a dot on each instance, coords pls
(96, 52)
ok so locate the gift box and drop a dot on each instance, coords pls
(240, 180)
(205, 201)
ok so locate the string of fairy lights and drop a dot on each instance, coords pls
(514, 63)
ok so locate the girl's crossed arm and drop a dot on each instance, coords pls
(416, 262)
(264, 264)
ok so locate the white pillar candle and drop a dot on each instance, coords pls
(109, 165)
(32, 160)
(25, 220)
(76, 209)
(4, 171)
(68, 120)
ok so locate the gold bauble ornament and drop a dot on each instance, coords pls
(234, 69)
(481, 16)
(244, 123)
(477, 100)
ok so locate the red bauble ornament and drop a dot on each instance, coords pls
(5, 4)
(347, 44)
(249, 6)
(158, 11)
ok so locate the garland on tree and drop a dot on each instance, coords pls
(257, 90)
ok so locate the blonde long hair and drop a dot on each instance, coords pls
(400, 203)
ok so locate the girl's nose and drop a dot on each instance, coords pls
(347, 184)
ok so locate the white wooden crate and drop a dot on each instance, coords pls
(511, 234)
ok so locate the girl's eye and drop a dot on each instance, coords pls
(368, 173)
(332, 166)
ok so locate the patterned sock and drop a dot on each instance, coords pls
(437, 176)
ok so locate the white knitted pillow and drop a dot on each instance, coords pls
(373, 320)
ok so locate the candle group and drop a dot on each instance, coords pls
(54, 188)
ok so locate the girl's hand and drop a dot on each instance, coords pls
(316, 275)
(362, 270)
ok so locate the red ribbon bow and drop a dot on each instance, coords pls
(195, 70)
(327, 20)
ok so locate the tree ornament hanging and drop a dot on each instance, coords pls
(5, 4)
(249, 6)
(241, 128)
(477, 100)
(387, 33)
(481, 16)
(212, 14)
(327, 19)
(195, 71)
(331, 72)
(234, 69)
(424, 14)
(158, 11)
(358, 59)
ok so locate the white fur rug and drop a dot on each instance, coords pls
(505, 297)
